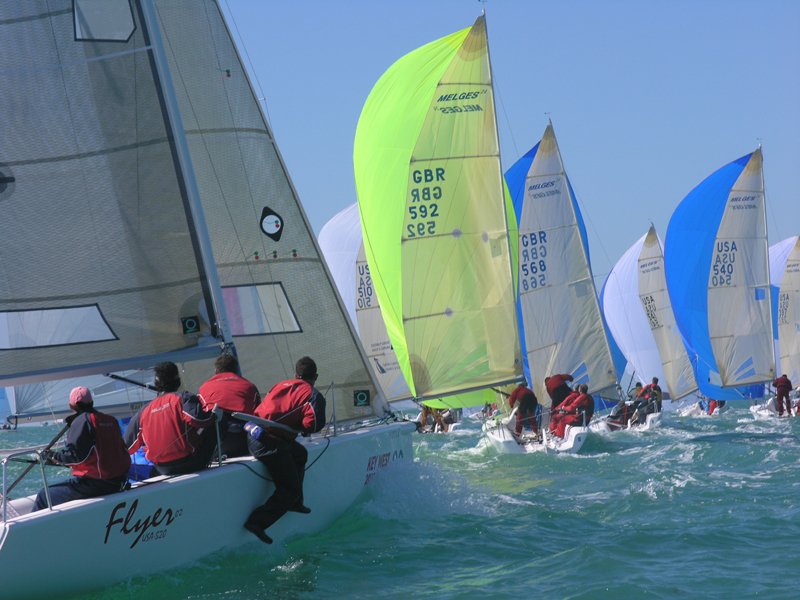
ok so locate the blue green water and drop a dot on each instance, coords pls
(699, 508)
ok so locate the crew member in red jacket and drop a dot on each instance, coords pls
(557, 388)
(526, 403)
(782, 388)
(558, 414)
(577, 410)
(95, 451)
(299, 405)
(178, 435)
(230, 392)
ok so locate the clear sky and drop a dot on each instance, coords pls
(647, 98)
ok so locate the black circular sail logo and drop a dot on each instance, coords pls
(271, 223)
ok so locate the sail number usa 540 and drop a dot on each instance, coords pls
(423, 206)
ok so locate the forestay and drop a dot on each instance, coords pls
(431, 198)
(563, 327)
(718, 278)
(784, 260)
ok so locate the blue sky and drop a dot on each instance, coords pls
(647, 98)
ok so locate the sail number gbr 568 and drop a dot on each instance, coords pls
(423, 205)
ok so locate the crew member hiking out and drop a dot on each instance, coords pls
(230, 392)
(299, 405)
(178, 435)
(95, 451)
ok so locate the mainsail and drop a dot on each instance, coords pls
(718, 278)
(87, 160)
(431, 197)
(678, 372)
(784, 258)
(562, 324)
(279, 296)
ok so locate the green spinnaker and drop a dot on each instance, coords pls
(432, 201)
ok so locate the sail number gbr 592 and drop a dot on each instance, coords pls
(423, 206)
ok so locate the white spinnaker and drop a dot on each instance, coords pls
(787, 280)
(678, 373)
(739, 308)
(563, 327)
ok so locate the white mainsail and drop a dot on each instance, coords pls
(678, 373)
(785, 274)
(739, 316)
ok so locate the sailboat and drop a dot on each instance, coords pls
(717, 271)
(562, 328)
(638, 312)
(144, 197)
(784, 266)
(435, 219)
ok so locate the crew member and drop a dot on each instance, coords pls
(526, 403)
(782, 387)
(230, 392)
(557, 388)
(297, 404)
(652, 393)
(178, 435)
(95, 451)
(576, 410)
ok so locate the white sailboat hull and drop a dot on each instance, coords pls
(158, 526)
(503, 440)
(767, 410)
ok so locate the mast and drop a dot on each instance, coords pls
(216, 313)
(511, 258)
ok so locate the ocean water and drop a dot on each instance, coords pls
(702, 507)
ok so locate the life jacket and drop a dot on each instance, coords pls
(169, 432)
(108, 458)
(229, 392)
(782, 384)
(295, 403)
